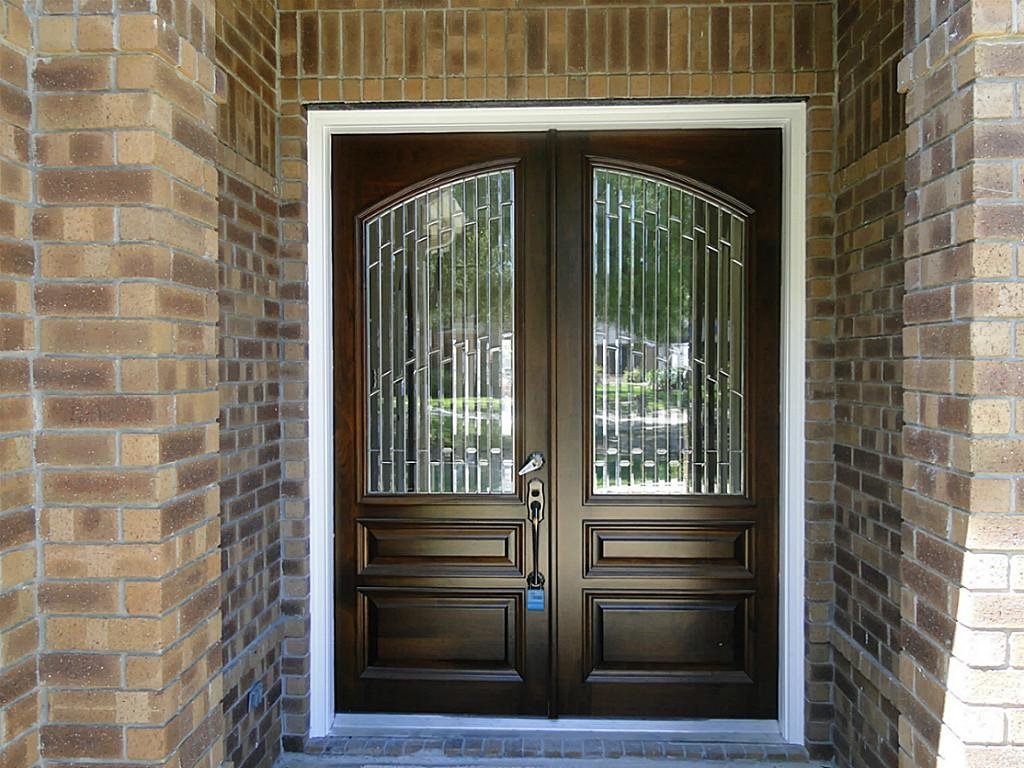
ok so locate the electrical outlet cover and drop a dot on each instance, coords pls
(255, 697)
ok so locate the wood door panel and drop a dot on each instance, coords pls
(669, 549)
(430, 567)
(441, 635)
(680, 617)
(667, 638)
(438, 548)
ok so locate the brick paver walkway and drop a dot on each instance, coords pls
(487, 750)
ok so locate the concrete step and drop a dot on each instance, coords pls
(432, 749)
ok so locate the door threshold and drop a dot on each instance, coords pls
(716, 730)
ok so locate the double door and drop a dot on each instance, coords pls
(557, 403)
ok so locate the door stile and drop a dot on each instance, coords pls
(567, 389)
(552, 303)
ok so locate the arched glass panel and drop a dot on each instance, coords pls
(440, 341)
(668, 317)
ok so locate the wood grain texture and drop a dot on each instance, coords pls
(658, 606)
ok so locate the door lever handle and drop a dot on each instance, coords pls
(533, 462)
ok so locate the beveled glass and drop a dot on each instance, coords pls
(440, 339)
(668, 333)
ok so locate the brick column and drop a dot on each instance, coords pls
(963, 542)
(19, 628)
(126, 383)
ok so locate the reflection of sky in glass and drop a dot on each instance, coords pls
(668, 311)
(440, 341)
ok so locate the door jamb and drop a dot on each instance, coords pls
(791, 118)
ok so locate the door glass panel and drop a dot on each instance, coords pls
(668, 316)
(440, 339)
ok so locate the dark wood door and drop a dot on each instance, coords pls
(441, 328)
(611, 301)
(667, 434)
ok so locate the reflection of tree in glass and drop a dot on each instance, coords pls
(643, 290)
(466, 263)
(439, 340)
(668, 314)
(471, 274)
(647, 290)
(643, 283)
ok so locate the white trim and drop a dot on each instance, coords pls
(793, 414)
(321, 436)
(792, 119)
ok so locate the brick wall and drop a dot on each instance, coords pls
(19, 626)
(963, 538)
(125, 378)
(869, 400)
(250, 362)
(118, 325)
(400, 52)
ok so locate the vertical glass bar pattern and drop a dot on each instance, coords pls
(440, 342)
(668, 317)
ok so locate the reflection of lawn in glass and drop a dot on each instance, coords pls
(471, 429)
(638, 396)
(461, 403)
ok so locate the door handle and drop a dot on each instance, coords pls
(533, 462)
(535, 503)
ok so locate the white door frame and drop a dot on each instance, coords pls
(791, 117)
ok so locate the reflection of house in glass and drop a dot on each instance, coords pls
(621, 355)
(641, 409)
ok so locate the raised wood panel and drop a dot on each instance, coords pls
(441, 635)
(659, 549)
(664, 637)
(431, 548)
